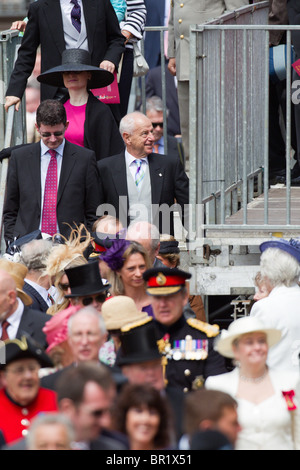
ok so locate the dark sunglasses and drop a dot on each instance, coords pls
(48, 134)
(64, 287)
(98, 298)
(160, 124)
(99, 413)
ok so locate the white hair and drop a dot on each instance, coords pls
(49, 419)
(89, 310)
(129, 122)
(279, 267)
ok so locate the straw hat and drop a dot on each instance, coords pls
(18, 272)
(76, 60)
(120, 310)
(241, 327)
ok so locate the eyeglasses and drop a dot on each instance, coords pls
(64, 287)
(19, 371)
(97, 298)
(99, 413)
(49, 134)
(160, 124)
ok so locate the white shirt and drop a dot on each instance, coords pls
(41, 290)
(281, 310)
(14, 320)
(132, 166)
(45, 160)
(66, 8)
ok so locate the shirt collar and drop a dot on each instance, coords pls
(130, 158)
(59, 149)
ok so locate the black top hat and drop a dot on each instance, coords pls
(24, 348)
(170, 246)
(85, 280)
(138, 343)
(76, 60)
(165, 281)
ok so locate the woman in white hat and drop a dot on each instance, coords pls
(268, 400)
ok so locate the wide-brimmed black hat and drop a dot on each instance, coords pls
(138, 343)
(165, 281)
(85, 280)
(24, 348)
(76, 60)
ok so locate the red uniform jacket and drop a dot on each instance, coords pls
(15, 419)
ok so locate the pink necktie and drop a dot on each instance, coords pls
(49, 224)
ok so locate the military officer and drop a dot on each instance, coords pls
(183, 14)
(186, 344)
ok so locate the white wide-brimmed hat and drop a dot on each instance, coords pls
(241, 327)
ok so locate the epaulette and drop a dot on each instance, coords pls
(130, 326)
(209, 330)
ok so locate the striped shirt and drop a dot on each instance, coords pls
(135, 19)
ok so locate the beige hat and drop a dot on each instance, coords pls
(18, 272)
(119, 311)
(241, 327)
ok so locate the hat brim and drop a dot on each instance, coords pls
(92, 292)
(26, 299)
(282, 245)
(224, 345)
(54, 77)
(169, 290)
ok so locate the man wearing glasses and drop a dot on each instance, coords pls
(51, 185)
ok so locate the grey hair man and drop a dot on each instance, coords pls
(34, 256)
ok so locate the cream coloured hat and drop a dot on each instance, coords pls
(119, 311)
(241, 327)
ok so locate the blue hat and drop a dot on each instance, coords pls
(291, 246)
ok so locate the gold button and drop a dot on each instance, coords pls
(185, 389)
(181, 5)
(187, 372)
(25, 411)
(181, 36)
(180, 21)
(24, 432)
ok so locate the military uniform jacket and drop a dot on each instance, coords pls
(183, 14)
(16, 419)
(188, 354)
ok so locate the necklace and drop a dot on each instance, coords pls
(254, 379)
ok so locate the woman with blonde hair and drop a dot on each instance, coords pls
(63, 256)
(127, 261)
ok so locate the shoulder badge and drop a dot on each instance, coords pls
(210, 330)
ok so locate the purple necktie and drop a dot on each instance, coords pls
(49, 223)
(76, 15)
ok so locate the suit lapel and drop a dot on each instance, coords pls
(68, 162)
(53, 18)
(119, 176)
(34, 164)
(90, 16)
(156, 177)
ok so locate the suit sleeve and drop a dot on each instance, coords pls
(92, 198)
(182, 192)
(11, 203)
(115, 39)
(26, 55)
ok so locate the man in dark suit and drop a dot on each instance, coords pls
(155, 17)
(17, 318)
(154, 88)
(50, 27)
(154, 111)
(29, 194)
(139, 185)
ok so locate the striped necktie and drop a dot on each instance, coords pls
(49, 223)
(139, 174)
(76, 15)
